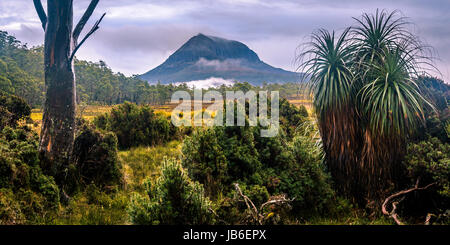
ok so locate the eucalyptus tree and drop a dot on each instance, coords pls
(61, 45)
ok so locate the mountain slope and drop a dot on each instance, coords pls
(203, 57)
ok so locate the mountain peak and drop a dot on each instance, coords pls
(204, 56)
(213, 48)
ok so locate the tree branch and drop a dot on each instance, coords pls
(41, 13)
(278, 200)
(258, 215)
(94, 28)
(84, 19)
(427, 219)
(393, 213)
(249, 202)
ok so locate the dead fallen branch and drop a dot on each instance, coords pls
(427, 219)
(250, 205)
(257, 214)
(277, 200)
(393, 214)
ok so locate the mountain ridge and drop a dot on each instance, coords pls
(203, 57)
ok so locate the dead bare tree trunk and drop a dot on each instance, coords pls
(61, 44)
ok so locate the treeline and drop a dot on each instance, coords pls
(98, 84)
(22, 74)
(21, 69)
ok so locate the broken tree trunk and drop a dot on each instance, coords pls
(61, 44)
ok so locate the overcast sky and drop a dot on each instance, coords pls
(138, 35)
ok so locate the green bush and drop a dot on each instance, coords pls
(205, 160)
(258, 194)
(429, 161)
(174, 199)
(136, 125)
(95, 157)
(307, 179)
(12, 109)
(26, 193)
(291, 116)
(10, 211)
(217, 157)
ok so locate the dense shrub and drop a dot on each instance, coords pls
(136, 125)
(174, 199)
(307, 179)
(204, 158)
(437, 118)
(292, 113)
(10, 211)
(220, 156)
(429, 161)
(26, 193)
(95, 158)
(12, 109)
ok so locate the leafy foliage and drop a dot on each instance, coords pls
(136, 125)
(26, 193)
(173, 199)
(12, 110)
(95, 157)
(429, 161)
(217, 157)
(291, 116)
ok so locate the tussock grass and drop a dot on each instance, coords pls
(142, 162)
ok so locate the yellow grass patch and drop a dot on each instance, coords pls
(92, 111)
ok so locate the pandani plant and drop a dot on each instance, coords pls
(367, 99)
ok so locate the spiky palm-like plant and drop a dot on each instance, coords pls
(366, 99)
(389, 59)
(328, 61)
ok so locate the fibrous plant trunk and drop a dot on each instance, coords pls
(342, 143)
(61, 44)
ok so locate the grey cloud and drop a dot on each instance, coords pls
(220, 65)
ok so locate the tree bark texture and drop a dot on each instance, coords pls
(58, 124)
(61, 44)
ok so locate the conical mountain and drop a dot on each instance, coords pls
(203, 57)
